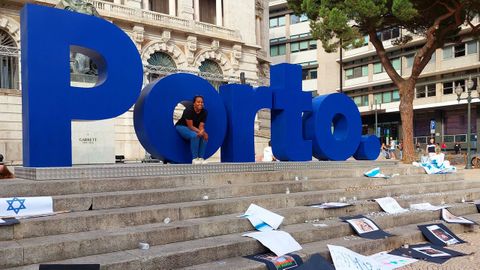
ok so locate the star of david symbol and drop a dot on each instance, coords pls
(11, 206)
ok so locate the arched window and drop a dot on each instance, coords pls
(160, 64)
(211, 71)
(8, 61)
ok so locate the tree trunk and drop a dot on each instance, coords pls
(406, 90)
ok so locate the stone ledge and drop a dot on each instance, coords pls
(150, 170)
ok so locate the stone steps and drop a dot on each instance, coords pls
(19, 187)
(109, 217)
(197, 251)
(131, 216)
(57, 247)
(120, 199)
(408, 234)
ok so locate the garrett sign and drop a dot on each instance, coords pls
(327, 127)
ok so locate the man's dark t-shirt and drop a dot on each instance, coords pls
(190, 114)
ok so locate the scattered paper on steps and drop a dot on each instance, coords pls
(279, 242)
(25, 206)
(262, 219)
(376, 173)
(426, 207)
(390, 205)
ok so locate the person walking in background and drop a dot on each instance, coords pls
(400, 150)
(4, 171)
(417, 147)
(444, 147)
(384, 150)
(268, 153)
(457, 148)
(430, 149)
(393, 147)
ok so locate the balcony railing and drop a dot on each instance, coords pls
(109, 9)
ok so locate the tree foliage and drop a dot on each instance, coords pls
(438, 21)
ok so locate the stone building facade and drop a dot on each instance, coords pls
(215, 39)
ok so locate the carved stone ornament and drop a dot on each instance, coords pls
(137, 34)
(166, 36)
(215, 45)
(190, 49)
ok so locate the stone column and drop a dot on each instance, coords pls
(258, 30)
(172, 8)
(219, 15)
(145, 4)
(185, 9)
(196, 10)
(439, 126)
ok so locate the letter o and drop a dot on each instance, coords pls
(154, 110)
(339, 111)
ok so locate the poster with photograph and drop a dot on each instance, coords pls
(365, 227)
(274, 262)
(451, 218)
(439, 234)
(427, 252)
(316, 262)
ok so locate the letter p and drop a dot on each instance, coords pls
(49, 102)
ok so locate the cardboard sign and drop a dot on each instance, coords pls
(365, 227)
(439, 234)
(274, 262)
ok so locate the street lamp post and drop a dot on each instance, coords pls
(459, 91)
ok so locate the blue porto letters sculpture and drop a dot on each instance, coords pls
(327, 127)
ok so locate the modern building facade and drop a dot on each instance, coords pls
(364, 79)
(215, 39)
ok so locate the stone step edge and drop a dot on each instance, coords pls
(96, 213)
(145, 259)
(403, 235)
(336, 223)
(437, 179)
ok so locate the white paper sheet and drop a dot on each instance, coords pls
(328, 205)
(426, 206)
(256, 214)
(25, 206)
(2, 221)
(390, 205)
(279, 242)
(451, 218)
(390, 262)
(345, 259)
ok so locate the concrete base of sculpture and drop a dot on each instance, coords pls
(157, 169)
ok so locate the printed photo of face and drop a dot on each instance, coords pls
(362, 225)
(442, 235)
(431, 251)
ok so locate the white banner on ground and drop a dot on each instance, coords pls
(426, 207)
(390, 205)
(279, 242)
(25, 206)
(451, 218)
(345, 259)
(262, 219)
(390, 262)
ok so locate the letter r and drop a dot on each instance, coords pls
(49, 103)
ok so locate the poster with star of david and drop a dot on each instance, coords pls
(25, 206)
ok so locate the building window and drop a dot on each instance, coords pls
(361, 100)
(276, 40)
(160, 64)
(277, 50)
(459, 50)
(212, 71)
(472, 47)
(303, 35)
(208, 11)
(409, 59)
(449, 87)
(160, 6)
(309, 74)
(277, 21)
(303, 46)
(428, 90)
(389, 34)
(298, 19)
(378, 67)
(356, 72)
(8, 62)
(387, 97)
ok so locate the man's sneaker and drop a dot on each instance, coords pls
(197, 161)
